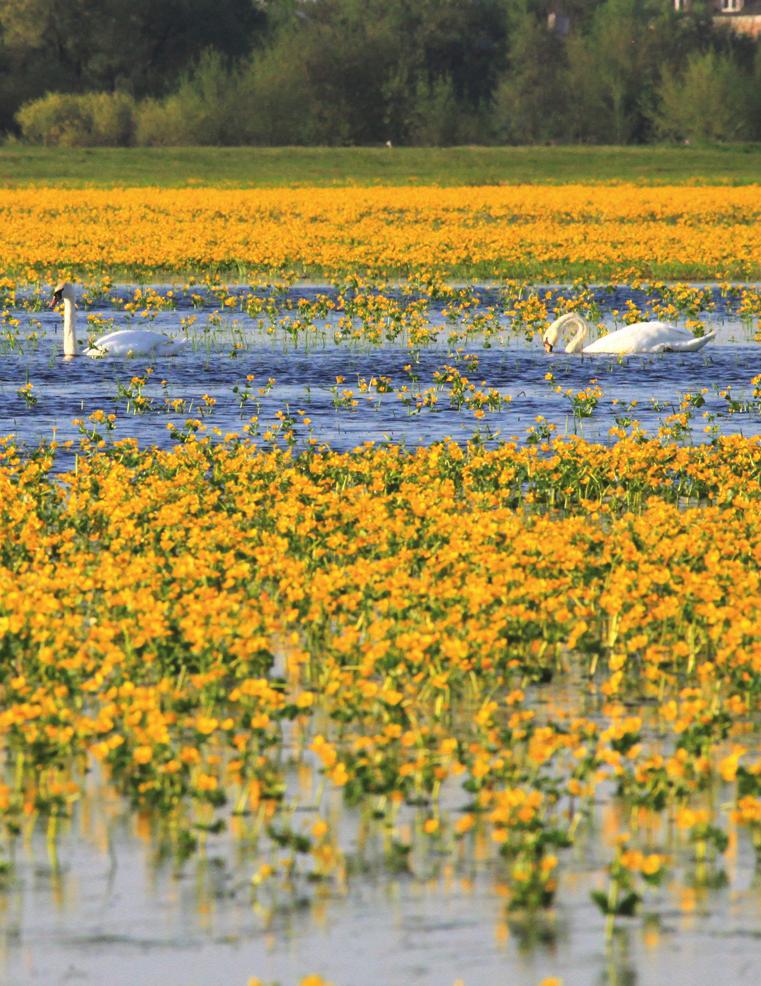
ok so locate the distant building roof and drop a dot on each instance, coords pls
(743, 16)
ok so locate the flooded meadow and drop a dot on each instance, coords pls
(365, 642)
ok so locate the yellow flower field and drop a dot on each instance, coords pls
(512, 231)
(423, 632)
(535, 660)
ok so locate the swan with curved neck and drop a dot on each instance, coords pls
(641, 337)
(126, 342)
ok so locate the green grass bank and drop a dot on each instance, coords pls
(244, 167)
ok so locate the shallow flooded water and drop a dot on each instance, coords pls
(394, 388)
(109, 900)
(111, 908)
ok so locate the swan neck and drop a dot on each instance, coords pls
(69, 328)
(574, 346)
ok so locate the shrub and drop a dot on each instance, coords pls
(79, 120)
(711, 100)
(278, 104)
(202, 110)
(438, 119)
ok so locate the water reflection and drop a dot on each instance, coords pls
(116, 904)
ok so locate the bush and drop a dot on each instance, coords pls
(87, 120)
(438, 119)
(278, 104)
(164, 123)
(202, 110)
(711, 100)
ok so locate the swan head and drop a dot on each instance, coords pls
(552, 334)
(63, 291)
(553, 331)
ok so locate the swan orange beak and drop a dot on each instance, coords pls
(547, 346)
(56, 299)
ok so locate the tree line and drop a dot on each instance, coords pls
(363, 72)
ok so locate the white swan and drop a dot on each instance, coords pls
(641, 337)
(127, 342)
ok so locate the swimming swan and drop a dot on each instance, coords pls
(127, 342)
(641, 337)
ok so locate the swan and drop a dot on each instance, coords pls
(641, 337)
(127, 342)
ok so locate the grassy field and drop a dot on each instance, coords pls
(245, 167)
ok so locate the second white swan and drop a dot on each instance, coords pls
(641, 337)
(125, 342)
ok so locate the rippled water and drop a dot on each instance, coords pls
(227, 347)
(111, 909)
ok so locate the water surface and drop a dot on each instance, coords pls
(110, 907)
(231, 356)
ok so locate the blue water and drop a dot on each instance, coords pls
(226, 346)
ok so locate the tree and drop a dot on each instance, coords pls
(138, 46)
(383, 69)
(368, 71)
(712, 99)
(529, 102)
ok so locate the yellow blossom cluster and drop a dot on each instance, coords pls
(483, 639)
(492, 231)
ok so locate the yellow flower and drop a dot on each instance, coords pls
(728, 766)
(142, 754)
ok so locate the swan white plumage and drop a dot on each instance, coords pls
(126, 342)
(641, 337)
